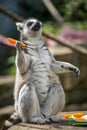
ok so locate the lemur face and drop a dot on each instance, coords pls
(30, 28)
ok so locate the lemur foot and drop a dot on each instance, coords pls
(39, 120)
(54, 119)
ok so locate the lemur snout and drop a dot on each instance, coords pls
(36, 27)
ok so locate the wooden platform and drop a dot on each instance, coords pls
(61, 125)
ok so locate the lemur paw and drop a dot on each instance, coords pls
(54, 119)
(75, 70)
(18, 45)
(39, 120)
(71, 68)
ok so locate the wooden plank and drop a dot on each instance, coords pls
(47, 127)
(55, 126)
(6, 80)
(60, 51)
(61, 125)
(6, 110)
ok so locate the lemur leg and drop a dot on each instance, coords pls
(54, 103)
(61, 67)
(22, 60)
(28, 105)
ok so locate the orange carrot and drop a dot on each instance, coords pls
(23, 45)
(80, 118)
(78, 115)
(13, 41)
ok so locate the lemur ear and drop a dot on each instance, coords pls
(19, 26)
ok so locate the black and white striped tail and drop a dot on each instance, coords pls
(13, 120)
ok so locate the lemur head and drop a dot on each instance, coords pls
(30, 28)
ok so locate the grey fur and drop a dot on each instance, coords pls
(38, 93)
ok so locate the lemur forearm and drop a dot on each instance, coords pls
(63, 67)
(22, 61)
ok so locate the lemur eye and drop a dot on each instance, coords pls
(29, 24)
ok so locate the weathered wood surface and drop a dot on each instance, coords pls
(61, 125)
(8, 110)
(6, 80)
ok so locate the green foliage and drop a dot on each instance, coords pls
(12, 70)
(51, 27)
(76, 10)
(78, 25)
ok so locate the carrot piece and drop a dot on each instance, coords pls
(80, 118)
(13, 41)
(78, 115)
(23, 45)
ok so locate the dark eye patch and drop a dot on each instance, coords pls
(29, 24)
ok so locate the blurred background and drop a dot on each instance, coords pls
(64, 21)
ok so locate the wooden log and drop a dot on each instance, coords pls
(67, 43)
(60, 51)
(6, 80)
(61, 125)
(6, 110)
(53, 11)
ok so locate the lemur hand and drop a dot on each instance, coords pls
(18, 45)
(75, 70)
(71, 68)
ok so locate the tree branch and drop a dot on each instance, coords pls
(66, 43)
(11, 14)
(53, 11)
(59, 40)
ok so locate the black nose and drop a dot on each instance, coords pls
(36, 27)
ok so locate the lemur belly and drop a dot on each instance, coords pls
(40, 78)
(38, 72)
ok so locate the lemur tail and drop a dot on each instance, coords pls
(13, 120)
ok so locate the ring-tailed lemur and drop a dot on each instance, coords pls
(38, 93)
